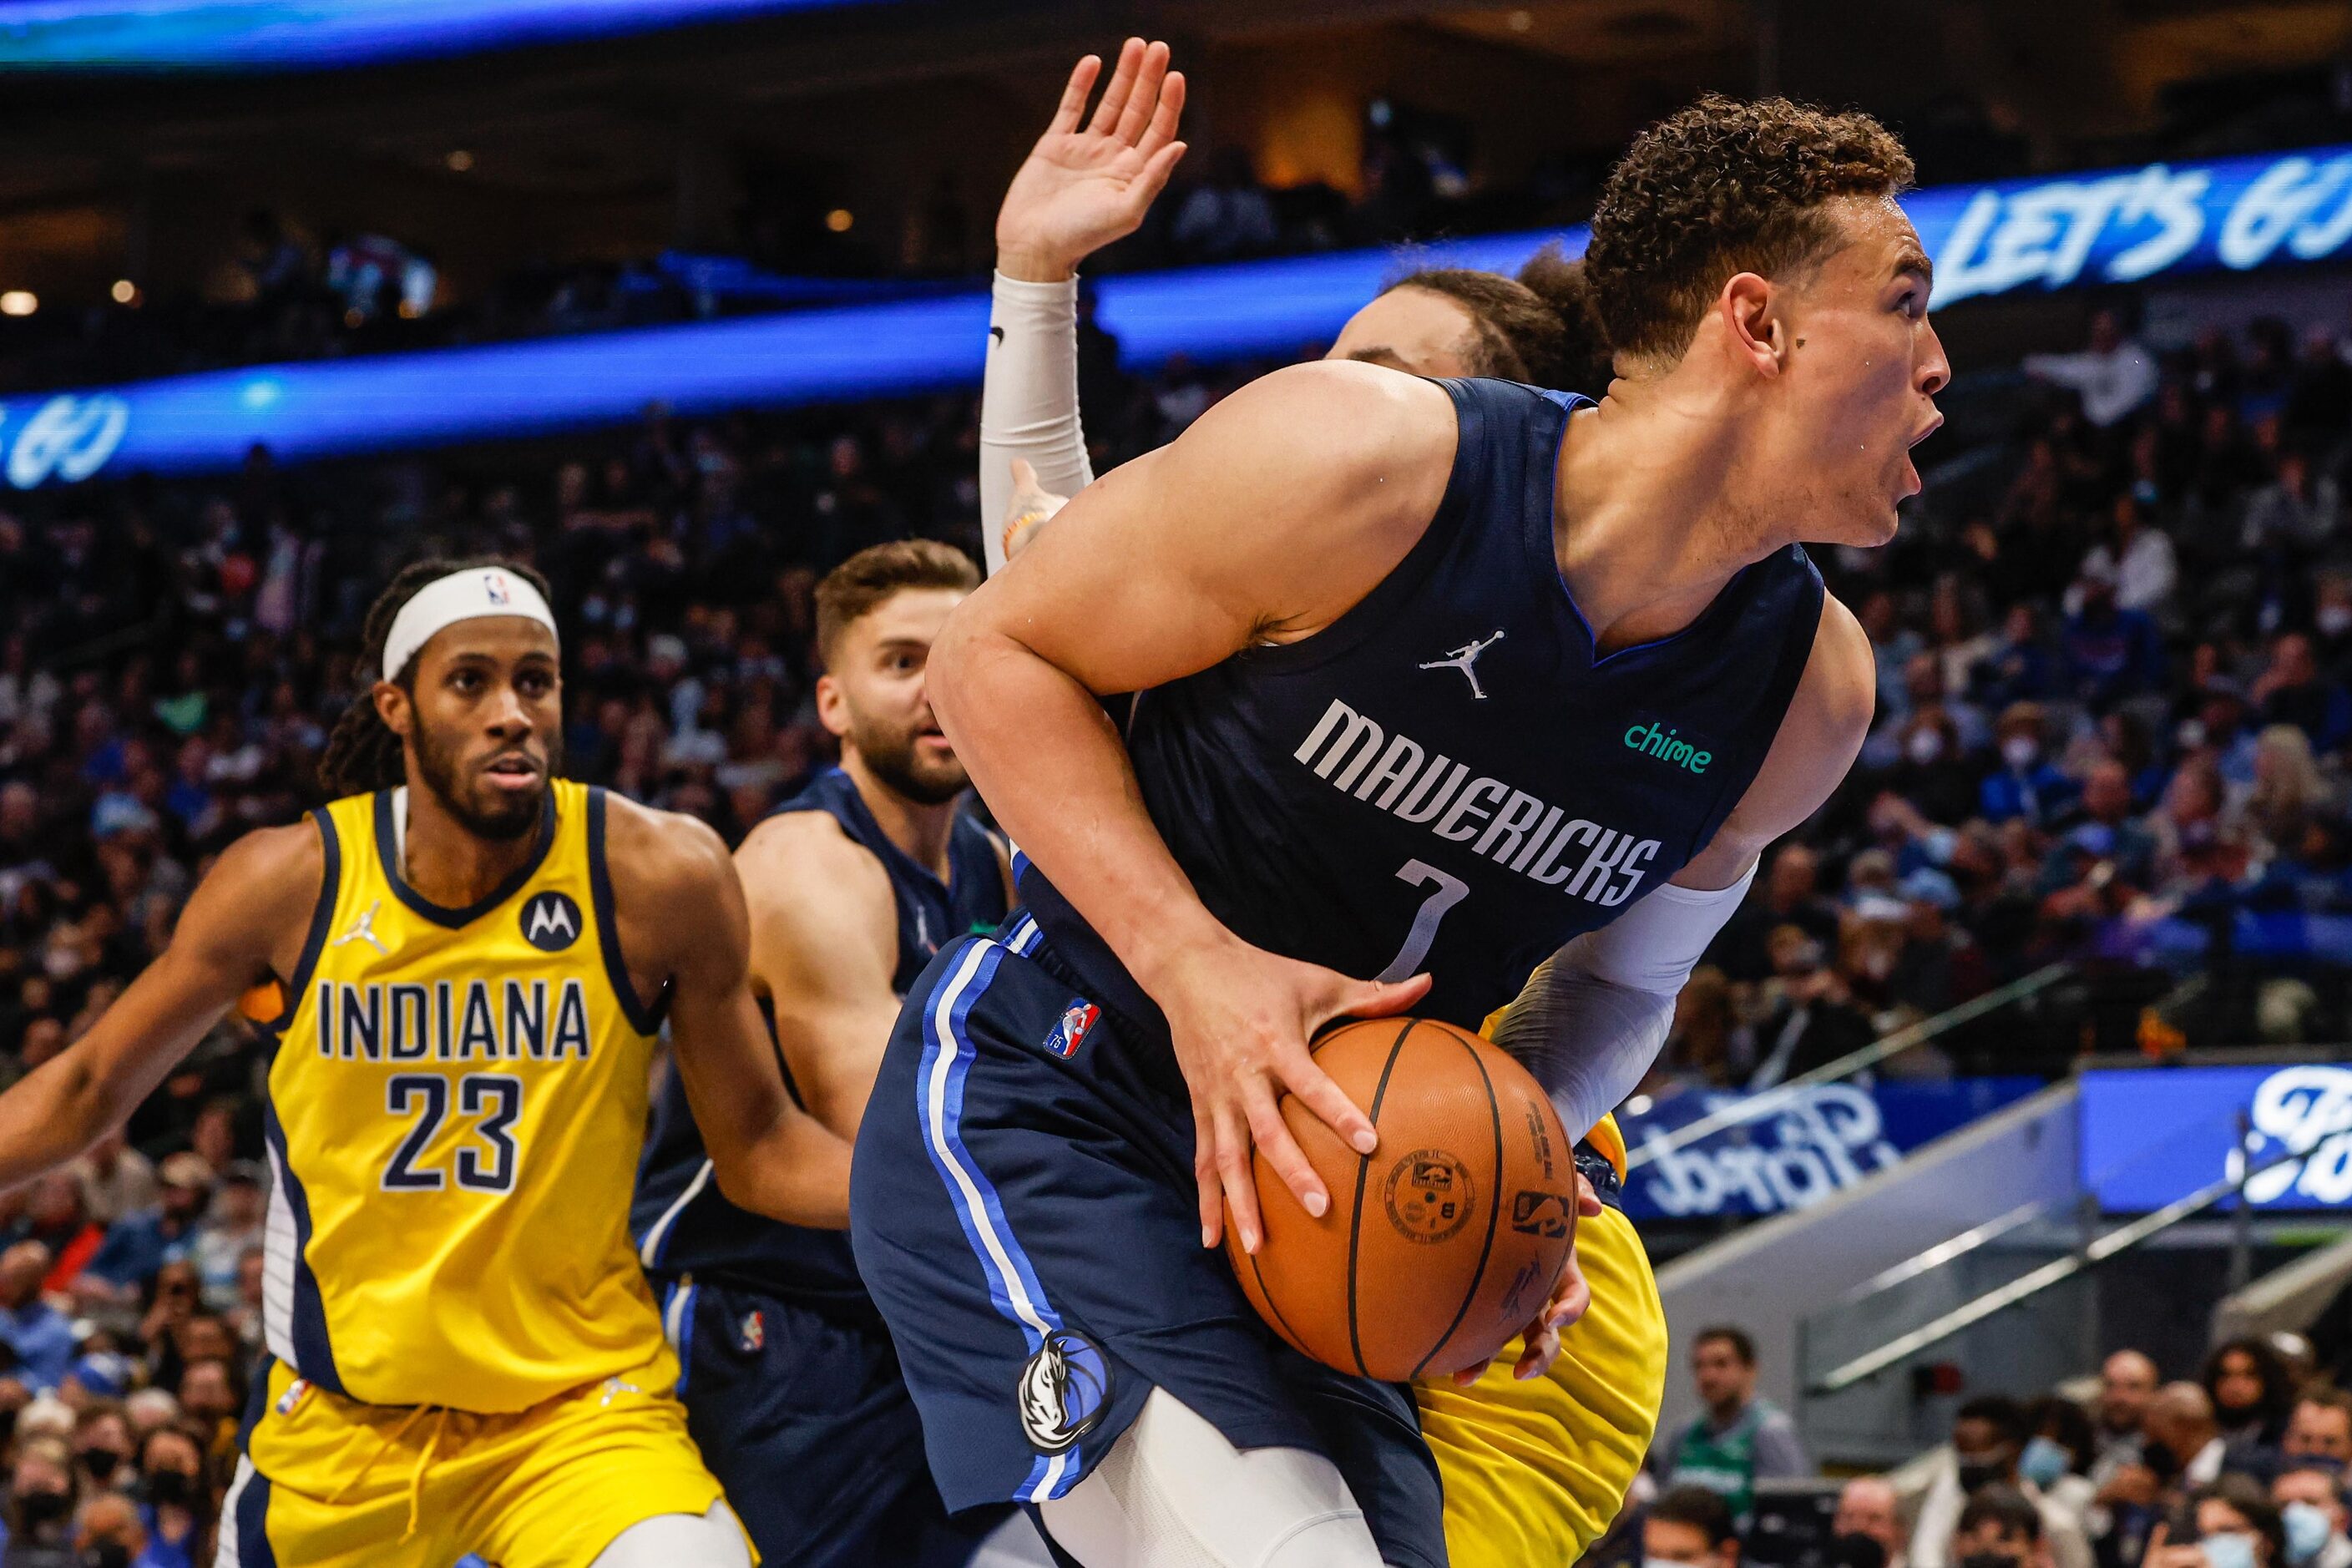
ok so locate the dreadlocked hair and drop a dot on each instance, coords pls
(362, 753)
(1583, 364)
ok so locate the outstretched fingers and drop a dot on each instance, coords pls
(1073, 106)
(1122, 83)
(1143, 101)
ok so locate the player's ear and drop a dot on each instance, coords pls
(1750, 312)
(394, 707)
(832, 705)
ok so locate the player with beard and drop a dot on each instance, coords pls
(791, 1382)
(475, 958)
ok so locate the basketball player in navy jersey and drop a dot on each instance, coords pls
(1459, 685)
(791, 1384)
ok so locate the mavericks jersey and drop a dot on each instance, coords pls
(456, 1103)
(683, 1224)
(1451, 777)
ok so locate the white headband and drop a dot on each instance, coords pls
(468, 596)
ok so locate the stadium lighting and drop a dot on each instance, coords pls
(460, 161)
(124, 292)
(18, 302)
(839, 219)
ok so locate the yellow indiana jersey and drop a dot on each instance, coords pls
(455, 1113)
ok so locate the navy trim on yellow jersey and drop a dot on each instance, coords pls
(322, 916)
(644, 1019)
(314, 1354)
(388, 855)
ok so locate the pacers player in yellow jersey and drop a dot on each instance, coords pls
(476, 957)
(1534, 1468)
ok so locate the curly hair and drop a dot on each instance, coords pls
(362, 753)
(1721, 188)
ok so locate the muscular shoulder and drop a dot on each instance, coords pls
(803, 860)
(257, 901)
(1839, 691)
(664, 863)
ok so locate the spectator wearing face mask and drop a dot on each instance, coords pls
(1999, 1528)
(108, 1533)
(2056, 1459)
(102, 1446)
(2312, 1515)
(1868, 1506)
(1990, 1434)
(2321, 1427)
(2236, 1527)
(1689, 1526)
(175, 1503)
(39, 1513)
(2026, 784)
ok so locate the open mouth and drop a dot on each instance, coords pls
(512, 770)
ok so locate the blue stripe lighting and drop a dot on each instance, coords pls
(96, 35)
(2236, 215)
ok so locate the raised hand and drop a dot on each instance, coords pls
(1085, 185)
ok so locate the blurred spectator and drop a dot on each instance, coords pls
(2128, 1382)
(2320, 1427)
(1742, 1438)
(2292, 691)
(140, 1244)
(1788, 893)
(2182, 1440)
(2251, 1392)
(1999, 1527)
(39, 1511)
(2026, 784)
(1990, 1436)
(2135, 561)
(1691, 1526)
(1227, 216)
(2113, 374)
(227, 1234)
(2237, 1527)
(2310, 1500)
(107, 1532)
(36, 1333)
(1807, 1018)
(176, 1503)
(1869, 1506)
(117, 1180)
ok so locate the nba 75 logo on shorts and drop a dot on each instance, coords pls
(1071, 1032)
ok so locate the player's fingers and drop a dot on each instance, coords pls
(1154, 179)
(1282, 1152)
(1377, 998)
(1162, 129)
(1204, 1173)
(1588, 1201)
(1470, 1375)
(1122, 81)
(1145, 95)
(1074, 96)
(1316, 1090)
(1543, 1349)
(1571, 1299)
(1234, 1173)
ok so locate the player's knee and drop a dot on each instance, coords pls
(1174, 1493)
(712, 1540)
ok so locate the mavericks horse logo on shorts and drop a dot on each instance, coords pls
(1065, 1390)
(1071, 1032)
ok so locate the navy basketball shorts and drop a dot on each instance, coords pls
(803, 1419)
(1024, 1210)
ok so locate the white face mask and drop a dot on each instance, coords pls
(2019, 751)
(1924, 746)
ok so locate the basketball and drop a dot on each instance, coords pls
(1443, 1244)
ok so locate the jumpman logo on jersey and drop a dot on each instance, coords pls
(1466, 659)
(363, 930)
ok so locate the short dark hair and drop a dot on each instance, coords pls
(2327, 1396)
(856, 587)
(1702, 1509)
(1722, 188)
(2004, 1414)
(1737, 1339)
(2244, 1494)
(2008, 1511)
(1517, 332)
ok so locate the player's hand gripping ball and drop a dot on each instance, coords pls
(1443, 1244)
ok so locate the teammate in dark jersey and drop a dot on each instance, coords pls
(791, 1382)
(1436, 676)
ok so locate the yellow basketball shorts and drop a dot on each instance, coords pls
(1535, 1471)
(328, 1483)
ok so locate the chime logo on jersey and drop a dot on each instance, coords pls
(551, 921)
(1065, 1390)
(1071, 1032)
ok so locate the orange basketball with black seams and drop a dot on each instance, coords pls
(1443, 1243)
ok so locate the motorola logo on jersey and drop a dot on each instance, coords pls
(1065, 1390)
(551, 921)
(1352, 752)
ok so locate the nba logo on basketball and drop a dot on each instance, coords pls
(1071, 1032)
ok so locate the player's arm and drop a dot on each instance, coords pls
(247, 916)
(1279, 509)
(1594, 1015)
(1086, 183)
(680, 911)
(825, 943)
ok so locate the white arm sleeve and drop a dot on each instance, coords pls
(1594, 1015)
(1029, 400)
